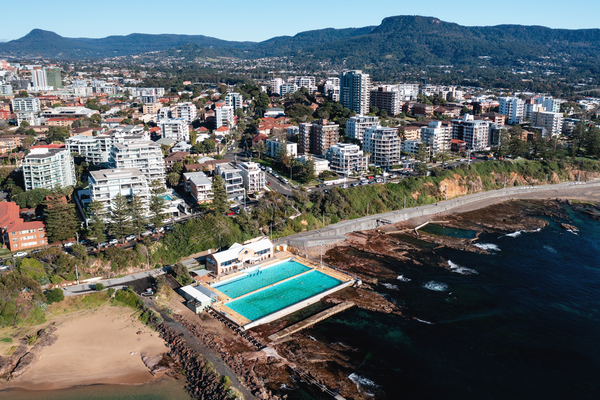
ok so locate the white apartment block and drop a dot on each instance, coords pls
(306, 81)
(175, 128)
(275, 85)
(410, 91)
(28, 116)
(436, 136)
(234, 100)
(321, 164)
(5, 89)
(106, 184)
(187, 111)
(412, 146)
(383, 144)
(40, 78)
(331, 88)
(549, 122)
(549, 103)
(355, 87)
(475, 133)
(288, 87)
(48, 168)
(513, 108)
(224, 116)
(275, 145)
(234, 183)
(358, 124)
(253, 176)
(346, 159)
(199, 186)
(95, 149)
(144, 156)
(26, 104)
(164, 113)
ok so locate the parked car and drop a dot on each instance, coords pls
(69, 244)
(113, 242)
(147, 233)
(20, 254)
(345, 186)
(130, 238)
(364, 183)
(355, 184)
(379, 180)
(102, 244)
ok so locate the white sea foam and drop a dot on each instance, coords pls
(436, 286)
(574, 233)
(390, 286)
(487, 246)
(402, 278)
(518, 233)
(461, 270)
(362, 382)
(425, 322)
(550, 249)
(312, 338)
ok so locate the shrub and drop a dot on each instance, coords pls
(99, 287)
(55, 296)
(127, 298)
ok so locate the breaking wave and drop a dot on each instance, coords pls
(436, 286)
(487, 246)
(461, 270)
(425, 322)
(402, 278)
(550, 249)
(518, 233)
(390, 286)
(361, 381)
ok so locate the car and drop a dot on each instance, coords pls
(364, 183)
(130, 238)
(325, 190)
(231, 213)
(102, 244)
(379, 180)
(355, 184)
(69, 244)
(269, 183)
(2, 268)
(147, 233)
(20, 254)
(113, 242)
(345, 186)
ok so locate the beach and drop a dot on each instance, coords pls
(100, 346)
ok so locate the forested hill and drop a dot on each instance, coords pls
(398, 40)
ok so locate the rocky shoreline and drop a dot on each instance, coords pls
(24, 357)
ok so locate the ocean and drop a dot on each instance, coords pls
(522, 322)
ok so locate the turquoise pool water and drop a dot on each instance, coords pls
(166, 197)
(283, 295)
(261, 278)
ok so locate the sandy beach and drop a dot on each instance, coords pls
(99, 347)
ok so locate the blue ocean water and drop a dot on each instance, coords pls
(520, 323)
(261, 277)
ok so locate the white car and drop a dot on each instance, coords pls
(69, 244)
(130, 238)
(147, 233)
(20, 254)
(113, 241)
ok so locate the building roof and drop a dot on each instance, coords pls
(44, 152)
(236, 249)
(195, 293)
(177, 156)
(48, 146)
(115, 173)
(166, 141)
(222, 129)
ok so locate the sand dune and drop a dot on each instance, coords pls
(94, 348)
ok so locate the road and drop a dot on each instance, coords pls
(140, 281)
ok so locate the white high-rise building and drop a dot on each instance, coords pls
(331, 88)
(436, 136)
(549, 103)
(355, 87)
(26, 104)
(346, 159)
(95, 149)
(234, 100)
(48, 168)
(106, 184)
(549, 122)
(187, 111)
(288, 87)
(276, 85)
(143, 155)
(253, 176)
(40, 78)
(383, 144)
(513, 108)
(358, 124)
(176, 129)
(306, 81)
(410, 91)
(224, 116)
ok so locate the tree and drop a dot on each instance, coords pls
(173, 179)
(97, 227)
(98, 287)
(61, 220)
(138, 215)
(177, 167)
(120, 217)
(422, 156)
(55, 296)
(157, 211)
(504, 145)
(79, 250)
(219, 195)
(193, 137)
(57, 134)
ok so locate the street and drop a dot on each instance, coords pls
(140, 281)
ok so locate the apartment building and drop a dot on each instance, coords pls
(28, 116)
(412, 146)
(275, 145)
(411, 132)
(437, 137)
(358, 124)
(199, 186)
(410, 91)
(175, 128)
(187, 111)
(383, 144)
(68, 112)
(513, 108)
(355, 87)
(164, 113)
(346, 159)
(307, 82)
(316, 138)
(234, 182)
(549, 122)
(151, 108)
(26, 104)
(18, 235)
(145, 156)
(106, 184)
(550, 104)
(388, 98)
(224, 116)
(321, 164)
(253, 176)
(275, 85)
(475, 133)
(331, 88)
(48, 168)
(234, 100)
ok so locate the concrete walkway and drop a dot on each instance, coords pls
(335, 233)
(112, 282)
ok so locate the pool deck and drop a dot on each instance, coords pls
(222, 299)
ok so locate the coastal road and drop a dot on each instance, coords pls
(117, 283)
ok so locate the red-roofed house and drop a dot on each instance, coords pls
(19, 235)
(259, 138)
(224, 130)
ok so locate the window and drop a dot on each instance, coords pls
(41, 230)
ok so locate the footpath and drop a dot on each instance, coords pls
(335, 233)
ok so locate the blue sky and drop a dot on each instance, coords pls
(259, 20)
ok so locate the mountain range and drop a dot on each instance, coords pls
(397, 40)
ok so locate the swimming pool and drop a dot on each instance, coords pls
(166, 197)
(259, 278)
(282, 295)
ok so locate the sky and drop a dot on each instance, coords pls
(244, 20)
